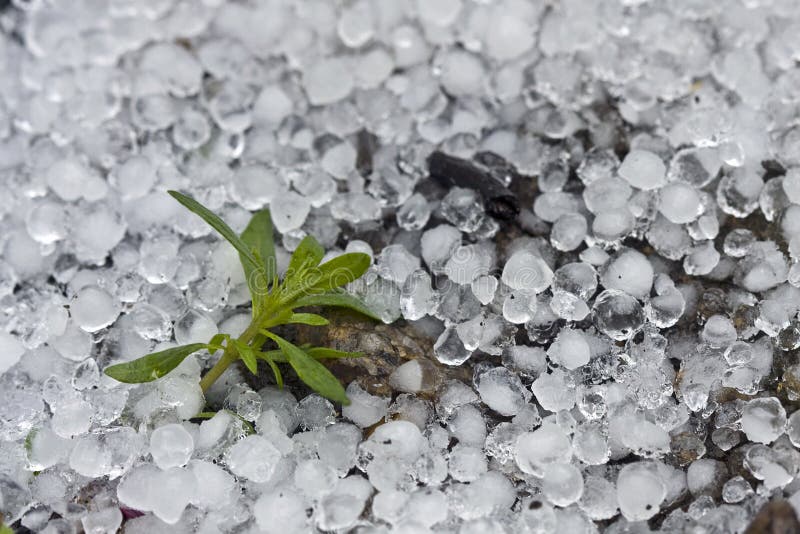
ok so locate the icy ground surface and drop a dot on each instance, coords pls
(632, 335)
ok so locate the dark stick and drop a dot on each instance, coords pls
(451, 171)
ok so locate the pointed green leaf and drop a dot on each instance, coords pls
(307, 255)
(247, 355)
(257, 282)
(332, 274)
(276, 372)
(311, 372)
(219, 225)
(258, 342)
(218, 339)
(341, 270)
(258, 237)
(29, 440)
(274, 355)
(216, 342)
(338, 299)
(307, 318)
(152, 366)
(324, 353)
(250, 361)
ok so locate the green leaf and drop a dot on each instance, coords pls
(342, 270)
(218, 339)
(314, 374)
(247, 355)
(274, 355)
(337, 299)
(5, 529)
(332, 274)
(152, 366)
(219, 225)
(307, 318)
(216, 342)
(324, 353)
(29, 440)
(271, 357)
(258, 236)
(276, 372)
(307, 255)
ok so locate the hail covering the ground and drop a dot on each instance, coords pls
(591, 208)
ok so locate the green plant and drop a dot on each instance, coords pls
(307, 282)
(4, 529)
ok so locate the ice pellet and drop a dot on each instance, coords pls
(549, 444)
(364, 409)
(280, 510)
(171, 446)
(679, 203)
(437, 244)
(736, 490)
(630, 272)
(640, 491)
(466, 463)
(441, 14)
(11, 350)
(253, 458)
(570, 349)
(414, 213)
(562, 483)
(328, 80)
(449, 349)
(763, 420)
(409, 377)
(94, 309)
(719, 331)
(527, 271)
(502, 391)
(568, 231)
(643, 170)
(194, 326)
(396, 263)
(553, 392)
(617, 314)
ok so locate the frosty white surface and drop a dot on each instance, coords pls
(593, 359)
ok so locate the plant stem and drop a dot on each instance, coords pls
(230, 355)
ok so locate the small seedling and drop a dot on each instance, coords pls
(306, 282)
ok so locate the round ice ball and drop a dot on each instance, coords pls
(171, 446)
(94, 309)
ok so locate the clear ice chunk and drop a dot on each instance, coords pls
(449, 349)
(463, 209)
(617, 314)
